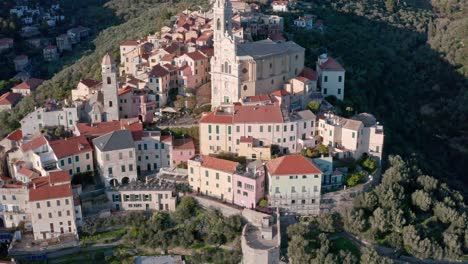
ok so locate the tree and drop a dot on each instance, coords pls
(313, 106)
(390, 5)
(327, 222)
(369, 164)
(263, 203)
(370, 256)
(422, 200)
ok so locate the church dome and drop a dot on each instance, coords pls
(107, 60)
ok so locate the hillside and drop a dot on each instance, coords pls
(395, 71)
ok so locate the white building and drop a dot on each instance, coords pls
(331, 76)
(280, 6)
(116, 157)
(294, 184)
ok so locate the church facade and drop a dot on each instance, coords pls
(240, 69)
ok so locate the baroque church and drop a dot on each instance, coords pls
(98, 101)
(240, 69)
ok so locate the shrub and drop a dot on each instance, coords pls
(354, 178)
(313, 106)
(263, 203)
(369, 164)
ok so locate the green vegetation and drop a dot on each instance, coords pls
(412, 212)
(315, 152)
(263, 203)
(182, 165)
(407, 66)
(313, 106)
(354, 178)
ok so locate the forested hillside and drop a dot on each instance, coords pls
(409, 75)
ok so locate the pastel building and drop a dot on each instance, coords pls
(14, 206)
(148, 196)
(249, 184)
(182, 150)
(51, 206)
(331, 76)
(136, 103)
(212, 177)
(153, 151)
(116, 157)
(294, 184)
(27, 87)
(74, 155)
(194, 69)
(280, 6)
(158, 82)
(267, 125)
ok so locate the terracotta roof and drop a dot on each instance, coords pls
(246, 139)
(168, 57)
(16, 135)
(280, 92)
(216, 118)
(172, 48)
(207, 51)
(170, 67)
(44, 191)
(166, 138)
(70, 146)
(89, 82)
(291, 164)
(34, 144)
(183, 143)
(27, 172)
(279, 3)
(30, 84)
(205, 36)
(196, 55)
(258, 98)
(9, 98)
(276, 37)
(352, 124)
(158, 71)
(302, 79)
(219, 164)
(13, 186)
(99, 129)
(125, 90)
(309, 74)
(331, 65)
(257, 114)
(129, 43)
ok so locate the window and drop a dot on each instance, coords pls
(62, 163)
(206, 173)
(39, 216)
(217, 176)
(377, 149)
(239, 184)
(48, 203)
(13, 197)
(109, 170)
(246, 194)
(217, 129)
(229, 178)
(285, 128)
(130, 167)
(87, 156)
(305, 124)
(130, 154)
(145, 147)
(304, 176)
(58, 202)
(324, 90)
(59, 213)
(293, 189)
(120, 155)
(304, 189)
(122, 168)
(69, 160)
(249, 129)
(77, 158)
(109, 80)
(325, 78)
(229, 130)
(68, 212)
(162, 145)
(107, 157)
(277, 190)
(353, 134)
(261, 128)
(110, 103)
(340, 78)
(66, 201)
(38, 205)
(292, 127)
(269, 128)
(50, 215)
(277, 128)
(191, 170)
(339, 91)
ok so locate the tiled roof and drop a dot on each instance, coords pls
(27, 172)
(207, 51)
(125, 90)
(70, 146)
(30, 84)
(291, 164)
(99, 129)
(196, 55)
(129, 43)
(332, 65)
(16, 135)
(280, 92)
(9, 98)
(34, 144)
(158, 71)
(258, 98)
(309, 74)
(219, 164)
(44, 191)
(246, 139)
(89, 82)
(216, 118)
(58, 176)
(352, 124)
(183, 143)
(257, 114)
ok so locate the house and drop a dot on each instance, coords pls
(51, 206)
(182, 150)
(153, 151)
(294, 184)
(76, 34)
(6, 44)
(250, 148)
(21, 62)
(50, 53)
(27, 87)
(331, 76)
(63, 42)
(74, 155)
(267, 124)
(159, 79)
(372, 135)
(50, 115)
(8, 100)
(140, 103)
(151, 195)
(280, 6)
(85, 89)
(212, 177)
(115, 157)
(12, 140)
(332, 178)
(193, 68)
(249, 184)
(14, 203)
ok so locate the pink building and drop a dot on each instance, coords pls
(182, 150)
(136, 103)
(194, 69)
(249, 186)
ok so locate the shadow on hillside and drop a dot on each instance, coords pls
(393, 73)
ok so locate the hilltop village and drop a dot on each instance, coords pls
(270, 140)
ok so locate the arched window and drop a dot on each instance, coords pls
(109, 80)
(245, 87)
(218, 23)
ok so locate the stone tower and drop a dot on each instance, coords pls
(110, 89)
(224, 68)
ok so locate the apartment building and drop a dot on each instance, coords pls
(183, 149)
(14, 207)
(74, 155)
(268, 124)
(152, 195)
(294, 184)
(331, 76)
(194, 69)
(51, 206)
(116, 157)
(212, 176)
(249, 184)
(153, 151)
